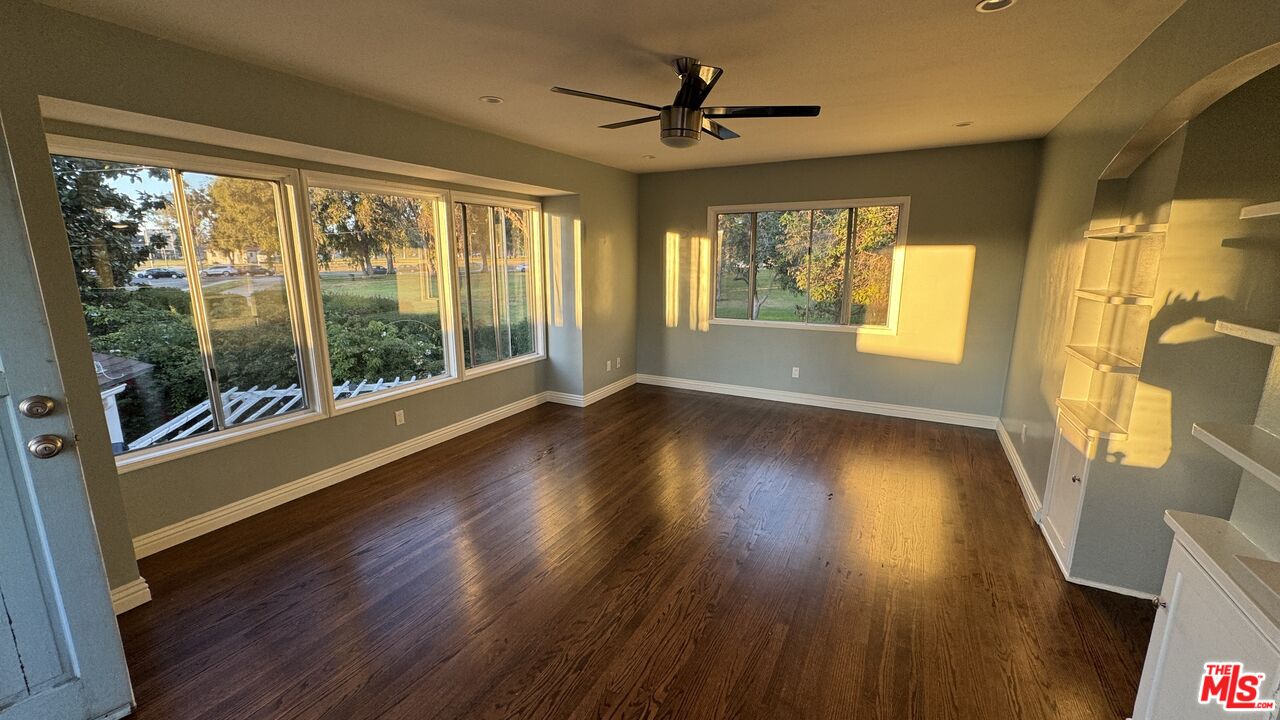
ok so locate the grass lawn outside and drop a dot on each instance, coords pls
(421, 290)
(780, 306)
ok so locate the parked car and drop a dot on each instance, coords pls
(162, 272)
(219, 271)
(379, 270)
(255, 270)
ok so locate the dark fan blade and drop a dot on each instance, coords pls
(629, 123)
(696, 84)
(606, 98)
(756, 111)
(717, 130)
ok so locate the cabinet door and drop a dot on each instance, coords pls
(1065, 492)
(1198, 624)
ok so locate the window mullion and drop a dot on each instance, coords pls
(751, 269)
(808, 272)
(846, 290)
(465, 246)
(494, 292)
(199, 313)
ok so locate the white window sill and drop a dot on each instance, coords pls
(139, 459)
(855, 329)
(490, 368)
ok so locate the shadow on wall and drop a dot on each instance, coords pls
(933, 310)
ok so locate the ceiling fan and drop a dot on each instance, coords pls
(685, 119)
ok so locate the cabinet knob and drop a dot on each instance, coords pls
(1075, 478)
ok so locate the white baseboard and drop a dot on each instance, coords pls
(1020, 472)
(130, 595)
(167, 537)
(1111, 588)
(591, 397)
(865, 406)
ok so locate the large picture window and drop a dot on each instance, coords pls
(495, 251)
(828, 264)
(185, 294)
(380, 287)
(229, 299)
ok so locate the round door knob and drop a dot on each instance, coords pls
(44, 446)
(36, 406)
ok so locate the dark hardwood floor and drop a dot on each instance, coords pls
(662, 553)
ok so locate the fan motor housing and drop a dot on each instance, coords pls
(681, 127)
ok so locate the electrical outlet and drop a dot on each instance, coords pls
(608, 365)
(399, 417)
(795, 372)
(618, 363)
(1024, 433)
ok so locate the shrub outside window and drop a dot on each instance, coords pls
(380, 284)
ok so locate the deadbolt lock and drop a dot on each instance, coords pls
(36, 406)
(45, 446)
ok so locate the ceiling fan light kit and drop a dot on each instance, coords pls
(683, 122)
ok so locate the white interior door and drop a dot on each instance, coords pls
(60, 652)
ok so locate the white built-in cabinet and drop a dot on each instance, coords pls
(1209, 612)
(1064, 494)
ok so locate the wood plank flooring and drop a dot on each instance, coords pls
(662, 553)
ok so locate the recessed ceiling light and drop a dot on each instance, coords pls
(990, 6)
(491, 99)
(966, 123)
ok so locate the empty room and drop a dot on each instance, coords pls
(882, 360)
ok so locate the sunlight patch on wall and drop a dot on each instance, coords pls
(556, 246)
(703, 248)
(934, 314)
(577, 273)
(1150, 437)
(672, 276)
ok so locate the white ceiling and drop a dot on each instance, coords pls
(890, 75)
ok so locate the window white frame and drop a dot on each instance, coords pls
(302, 284)
(315, 305)
(895, 279)
(289, 183)
(537, 303)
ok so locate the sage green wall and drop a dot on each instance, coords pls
(977, 196)
(1199, 38)
(54, 53)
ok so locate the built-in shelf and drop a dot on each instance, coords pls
(1125, 232)
(1111, 297)
(1248, 446)
(1090, 420)
(1219, 546)
(1258, 335)
(1263, 210)
(1102, 360)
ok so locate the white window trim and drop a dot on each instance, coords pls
(895, 278)
(448, 289)
(302, 288)
(537, 304)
